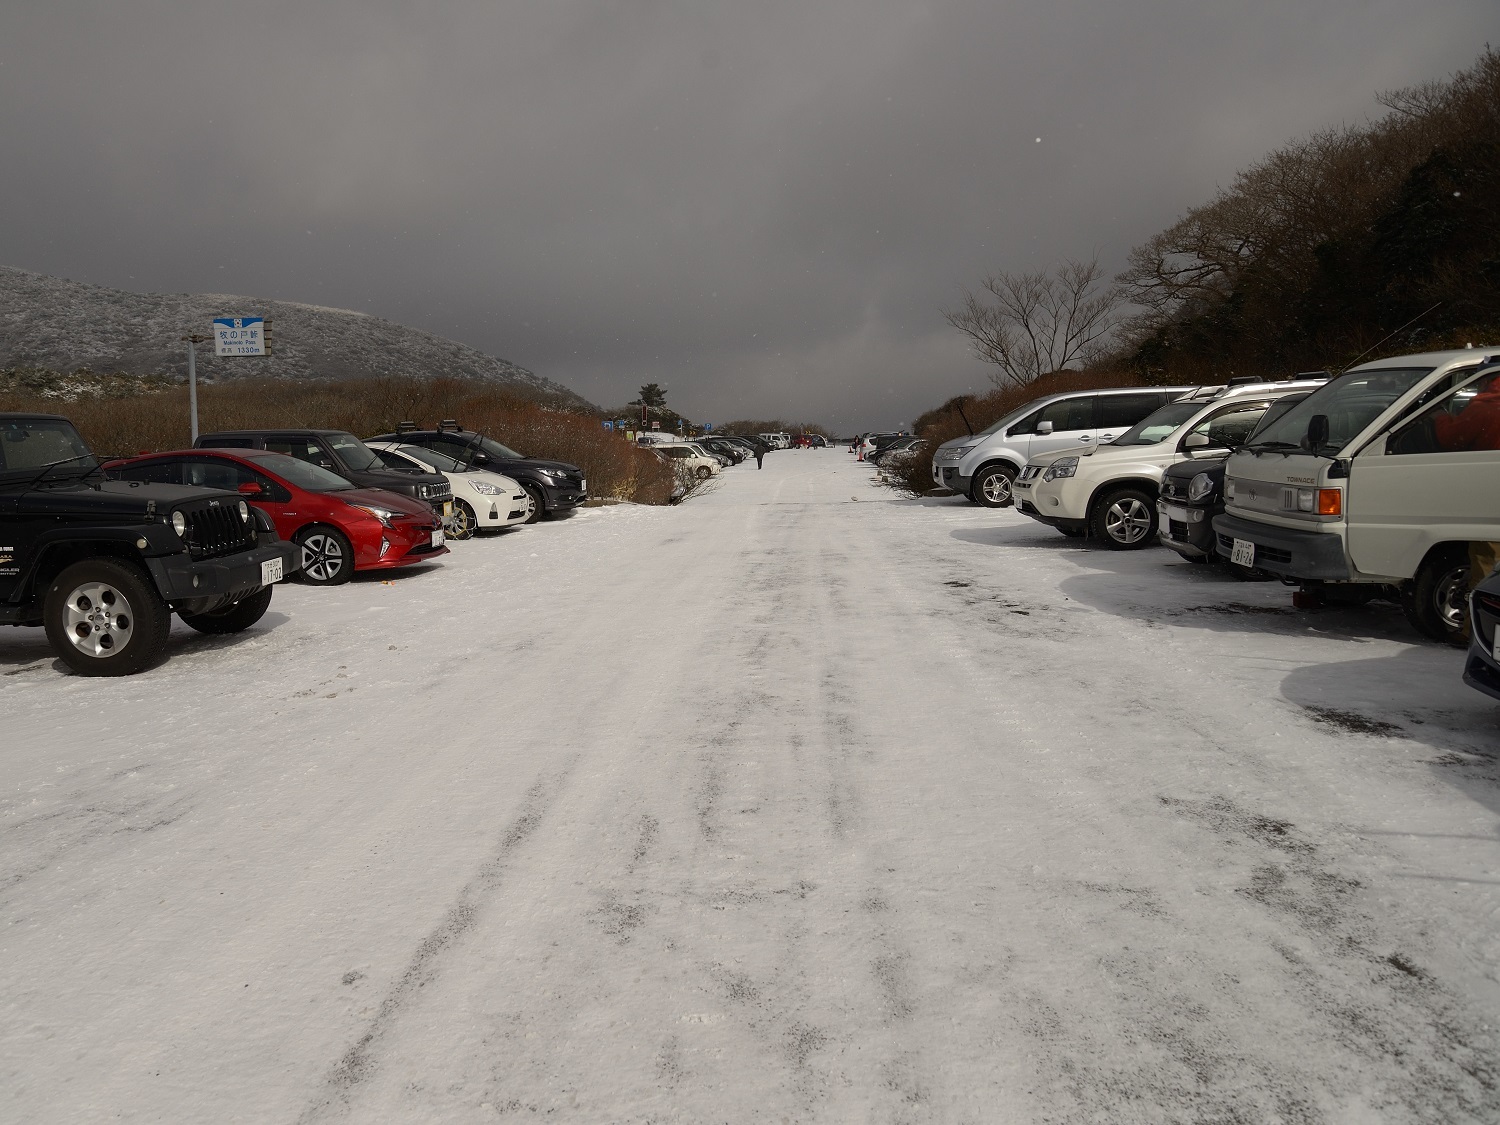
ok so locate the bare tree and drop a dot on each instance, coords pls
(1039, 322)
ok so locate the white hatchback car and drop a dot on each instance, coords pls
(482, 500)
(689, 459)
(1109, 491)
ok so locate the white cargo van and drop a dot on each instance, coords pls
(1376, 484)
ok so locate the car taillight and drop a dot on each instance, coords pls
(1330, 501)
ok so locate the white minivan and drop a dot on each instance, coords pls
(1376, 484)
(983, 466)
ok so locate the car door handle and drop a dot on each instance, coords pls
(1085, 439)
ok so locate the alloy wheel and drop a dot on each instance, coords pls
(322, 557)
(1127, 521)
(99, 620)
(1450, 597)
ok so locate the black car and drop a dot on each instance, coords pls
(883, 451)
(735, 453)
(344, 454)
(1192, 494)
(102, 565)
(555, 486)
(1482, 669)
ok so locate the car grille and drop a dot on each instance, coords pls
(1025, 506)
(436, 493)
(216, 529)
(1170, 489)
(1178, 530)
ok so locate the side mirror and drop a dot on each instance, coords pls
(250, 488)
(1195, 441)
(480, 458)
(1044, 428)
(1317, 431)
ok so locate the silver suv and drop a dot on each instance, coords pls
(983, 465)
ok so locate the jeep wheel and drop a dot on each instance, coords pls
(234, 618)
(104, 618)
(538, 505)
(991, 488)
(1436, 600)
(1125, 520)
(327, 557)
(464, 523)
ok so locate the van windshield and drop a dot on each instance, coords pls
(1158, 427)
(1350, 403)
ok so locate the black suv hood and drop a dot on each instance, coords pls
(114, 498)
(1187, 470)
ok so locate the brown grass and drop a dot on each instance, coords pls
(159, 421)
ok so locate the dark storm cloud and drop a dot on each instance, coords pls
(762, 206)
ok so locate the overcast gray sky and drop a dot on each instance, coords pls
(763, 206)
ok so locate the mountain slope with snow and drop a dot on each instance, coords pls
(62, 325)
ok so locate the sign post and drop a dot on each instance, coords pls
(192, 343)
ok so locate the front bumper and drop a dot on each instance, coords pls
(1187, 529)
(562, 498)
(1290, 552)
(179, 578)
(1028, 508)
(947, 475)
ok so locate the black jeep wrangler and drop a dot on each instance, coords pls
(101, 564)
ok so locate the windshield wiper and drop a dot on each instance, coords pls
(65, 461)
(1270, 447)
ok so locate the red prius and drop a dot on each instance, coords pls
(340, 528)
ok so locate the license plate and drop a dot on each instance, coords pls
(1173, 512)
(1243, 553)
(437, 537)
(270, 571)
(583, 485)
(447, 509)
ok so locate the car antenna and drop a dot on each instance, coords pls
(958, 404)
(1383, 339)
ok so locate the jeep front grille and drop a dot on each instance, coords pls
(216, 529)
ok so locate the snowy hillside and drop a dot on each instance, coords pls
(63, 325)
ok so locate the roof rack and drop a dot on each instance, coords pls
(405, 427)
(449, 425)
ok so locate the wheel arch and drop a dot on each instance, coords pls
(1145, 484)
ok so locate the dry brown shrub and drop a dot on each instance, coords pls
(155, 422)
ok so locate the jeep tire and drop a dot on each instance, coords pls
(105, 618)
(234, 618)
(991, 488)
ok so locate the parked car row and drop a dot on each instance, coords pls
(1382, 483)
(698, 459)
(101, 553)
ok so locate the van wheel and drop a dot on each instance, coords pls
(105, 618)
(234, 618)
(1125, 520)
(991, 487)
(1436, 600)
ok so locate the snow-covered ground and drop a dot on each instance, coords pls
(799, 802)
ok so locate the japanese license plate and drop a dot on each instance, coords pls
(437, 537)
(1243, 553)
(447, 509)
(270, 571)
(583, 485)
(1173, 512)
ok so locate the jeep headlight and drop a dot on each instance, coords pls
(244, 512)
(1201, 487)
(179, 523)
(1061, 468)
(485, 488)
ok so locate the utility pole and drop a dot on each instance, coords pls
(192, 343)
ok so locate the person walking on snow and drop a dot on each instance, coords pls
(760, 456)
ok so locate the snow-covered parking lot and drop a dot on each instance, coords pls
(798, 802)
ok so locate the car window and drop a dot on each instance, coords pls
(304, 475)
(1120, 411)
(227, 443)
(355, 454)
(303, 449)
(1232, 427)
(1462, 421)
(30, 443)
(437, 459)
(215, 472)
(1066, 415)
(390, 459)
(1350, 403)
(151, 472)
(1160, 424)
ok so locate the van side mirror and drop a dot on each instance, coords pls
(1195, 441)
(1044, 428)
(1317, 431)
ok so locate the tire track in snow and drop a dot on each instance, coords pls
(357, 1063)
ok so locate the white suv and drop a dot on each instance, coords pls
(983, 465)
(1377, 484)
(1109, 491)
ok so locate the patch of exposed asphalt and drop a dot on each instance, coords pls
(1353, 723)
(357, 1064)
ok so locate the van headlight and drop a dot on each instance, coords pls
(1061, 468)
(1200, 487)
(1229, 488)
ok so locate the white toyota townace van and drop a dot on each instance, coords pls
(1375, 485)
(983, 465)
(1109, 491)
